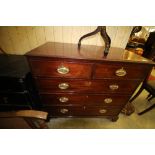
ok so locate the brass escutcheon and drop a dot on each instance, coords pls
(107, 100)
(63, 99)
(102, 111)
(64, 111)
(63, 85)
(120, 72)
(62, 70)
(114, 87)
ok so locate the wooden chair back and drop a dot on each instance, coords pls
(23, 119)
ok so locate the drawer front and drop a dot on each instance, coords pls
(14, 99)
(64, 110)
(120, 71)
(60, 69)
(101, 111)
(83, 99)
(83, 86)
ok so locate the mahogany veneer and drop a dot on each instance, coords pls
(83, 83)
(49, 69)
(87, 86)
(75, 99)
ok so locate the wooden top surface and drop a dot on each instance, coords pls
(87, 52)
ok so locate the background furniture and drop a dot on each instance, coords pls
(83, 83)
(17, 90)
(104, 35)
(149, 51)
(135, 43)
(23, 119)
(148, 85)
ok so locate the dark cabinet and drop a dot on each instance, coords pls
(149, 51)
(17, 90)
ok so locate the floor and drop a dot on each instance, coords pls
(134, 121)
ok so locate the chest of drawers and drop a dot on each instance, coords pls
(82, 83)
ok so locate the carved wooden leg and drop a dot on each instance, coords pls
(114, 118)
(128, 109)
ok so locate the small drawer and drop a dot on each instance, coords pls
(101, 111)
(47, 85)
(121, 71)
(47, 68)
(64, 111)
(83, 99)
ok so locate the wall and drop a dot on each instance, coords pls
(21, 39)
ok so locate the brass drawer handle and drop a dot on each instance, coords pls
(107, 100)
(102, 111)
(64, 111)
(121, 72)
(113, 87)
(63, 86)
(63, 99)
(62, 70)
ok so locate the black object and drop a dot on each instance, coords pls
(106, 38)
(149, 51)
(17, 90)
(149, 86)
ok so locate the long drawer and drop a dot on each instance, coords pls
(86, 86)
(65, 111)
(120, 71)
(60, 69)
(83, 99)
(55, 111)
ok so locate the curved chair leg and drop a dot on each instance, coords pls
(137, 94)
(146, 110)
(150, 98)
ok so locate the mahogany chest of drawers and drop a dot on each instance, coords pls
(83, 83)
